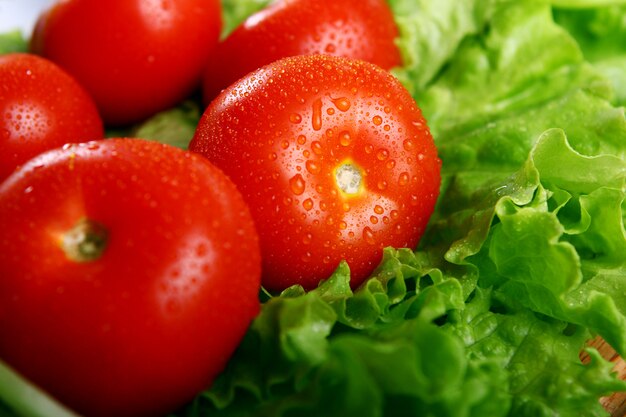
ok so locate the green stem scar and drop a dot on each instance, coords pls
(85, 242)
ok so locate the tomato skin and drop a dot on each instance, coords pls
(143, 328)
(362, 29)
(282, 132)
(135, 57)
(41, 108)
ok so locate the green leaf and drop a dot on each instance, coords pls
(11, 42)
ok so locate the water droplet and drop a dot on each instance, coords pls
(390, 164)
(297, 184)
(414, 200)
(330, 111)
(28, 189)
(382, 185)
(316, 147)
(378, 209)
(403, 179)
(307, 238)
(330, 48)
(313, 167)
(346, 207)
(295, 118)
(284, 144)
(377, 120)
(344, 138)
(317, 114)
(368, 236)
(373, 219)
(342, 104)
(408, 144)
(382, 154)
(272, 156)
(394, 214)
(301, 139)
(307, 204)
(369, 149)
(343, 225)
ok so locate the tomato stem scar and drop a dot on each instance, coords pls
(349, 178)
(85, 242)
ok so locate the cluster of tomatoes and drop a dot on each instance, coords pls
(129, 269)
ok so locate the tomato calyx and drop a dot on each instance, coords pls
(349, 178)
(85, 242)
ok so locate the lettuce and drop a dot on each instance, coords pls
(601, 34)
(523, 261)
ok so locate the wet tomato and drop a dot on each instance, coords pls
(363, 29)
(135, 57)
(334, 159)
(41, 108)
(130, 272)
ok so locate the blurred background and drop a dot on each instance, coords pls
(20, 14)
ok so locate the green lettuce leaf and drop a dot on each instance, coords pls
(601, 34)
(11, 42)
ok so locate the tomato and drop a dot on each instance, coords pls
(135, 57)
(41, 108)
(334, 159)
(127, 294)
(363, 29)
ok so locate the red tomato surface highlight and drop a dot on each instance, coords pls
(130, 272)
(363, 29)
(41, 108)
(135, 57)
(334, 159)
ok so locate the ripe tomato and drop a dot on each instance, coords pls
(135, 57)
(334, 159)
(130, 291)
(363, 29)
(41, 108)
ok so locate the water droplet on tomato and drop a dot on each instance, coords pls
(313, 167)
(301, 140)
(307, 204)
(297, 184)
(317, 114)
(403, 179)
(382, 185)
(378, 209)
(307, 238)
(373, 219)
(344, 138)
(295, 118)
(343, 225)
(342, 104)
(382, 154)
(377, 120)
(368, 236)
(316, 147)
(408, 144)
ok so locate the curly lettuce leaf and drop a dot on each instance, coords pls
(601, 34)
(12, 41)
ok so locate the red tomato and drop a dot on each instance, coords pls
(135, 57)
(363, 29)
(130, 272)
(334, 159)
(41, 108)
